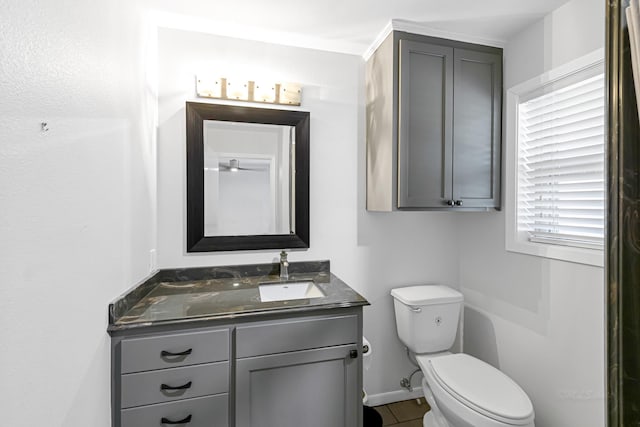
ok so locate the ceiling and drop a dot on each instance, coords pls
(349, 26)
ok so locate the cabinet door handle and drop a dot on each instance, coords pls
(180, 387)
(186, 420)
(165, 353)
(458, 202)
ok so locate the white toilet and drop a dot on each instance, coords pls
(462, 391)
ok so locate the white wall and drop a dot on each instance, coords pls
(371, 252)
(77, 202)
(541, 321)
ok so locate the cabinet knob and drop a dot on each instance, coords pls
(458, 203)
(353, 354)
(450, 202)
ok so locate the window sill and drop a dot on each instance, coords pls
(594, 257)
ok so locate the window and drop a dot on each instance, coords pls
(556, 163)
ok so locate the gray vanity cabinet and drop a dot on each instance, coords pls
(278, 370)
(311, 388)
(302, 372)
(172, 378)
(433, 125)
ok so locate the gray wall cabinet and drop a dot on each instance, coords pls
(434, 111)
(273, 370)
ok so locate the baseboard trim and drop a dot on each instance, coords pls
(393, 396)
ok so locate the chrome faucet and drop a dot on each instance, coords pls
(284, 266)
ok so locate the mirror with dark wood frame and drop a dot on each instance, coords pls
(203, 119)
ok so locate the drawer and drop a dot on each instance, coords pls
(210, 411)
(168, 351)
(191, 381)
(291, 335)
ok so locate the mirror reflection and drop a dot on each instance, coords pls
(249, 178)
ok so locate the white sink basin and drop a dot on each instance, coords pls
(289, 290)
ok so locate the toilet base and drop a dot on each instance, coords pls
(434, 417)
(430, 421)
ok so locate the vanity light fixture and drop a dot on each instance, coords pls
(237, 90)
(251, 91)
(264, 92)
(209, 88)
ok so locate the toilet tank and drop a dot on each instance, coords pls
(427, 317)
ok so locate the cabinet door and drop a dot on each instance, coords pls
(311, 388)
(476, 128)
(425, 132)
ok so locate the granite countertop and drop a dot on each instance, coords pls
(198, 294)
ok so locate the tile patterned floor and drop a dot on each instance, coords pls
(407, 413)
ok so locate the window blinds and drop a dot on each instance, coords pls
(561, 194)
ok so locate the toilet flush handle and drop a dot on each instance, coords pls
(416, 309)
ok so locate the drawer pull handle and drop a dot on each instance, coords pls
(182, 421)
(165, 353)
(180, 387)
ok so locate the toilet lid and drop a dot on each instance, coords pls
(482, 387)
(426, 295)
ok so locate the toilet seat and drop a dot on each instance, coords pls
(481, 388)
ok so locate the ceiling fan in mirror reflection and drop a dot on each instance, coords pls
(233, 165)
(249, 90)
